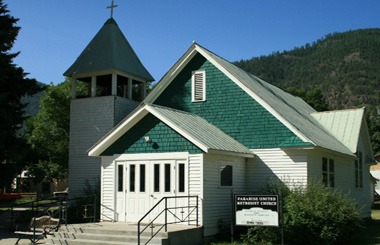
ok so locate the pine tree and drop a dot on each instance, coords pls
(13, 86)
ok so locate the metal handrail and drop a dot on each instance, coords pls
(34, 206)
(61, 203)
(167, 210)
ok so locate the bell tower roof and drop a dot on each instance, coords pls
(108, 51)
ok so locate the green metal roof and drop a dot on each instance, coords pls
(109, 50)
(345, 125)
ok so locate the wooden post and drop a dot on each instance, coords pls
(114, 84)
(93, 86)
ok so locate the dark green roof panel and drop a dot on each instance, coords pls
(109, 49)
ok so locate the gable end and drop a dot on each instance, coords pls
(161, 139)
(228, 107)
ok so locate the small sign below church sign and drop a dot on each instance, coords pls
(256, 210)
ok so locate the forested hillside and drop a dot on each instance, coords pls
(345, 66)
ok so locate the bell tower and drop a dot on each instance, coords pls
(108, 82)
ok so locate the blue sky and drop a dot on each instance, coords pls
(55, 32)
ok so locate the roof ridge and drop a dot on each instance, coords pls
(339, 110)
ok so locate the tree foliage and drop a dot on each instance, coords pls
(313, 97)
(48, 133)
(344, 66)
(13, 87)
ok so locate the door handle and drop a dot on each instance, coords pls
(153, 196)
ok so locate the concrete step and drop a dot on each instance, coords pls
(92, 230)
(105, 237)
(122, 233)
(99, 242)
(109, 234)
(85, 242)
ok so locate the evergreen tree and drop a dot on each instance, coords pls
(13, 86)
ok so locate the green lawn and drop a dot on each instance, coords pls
(6, 205)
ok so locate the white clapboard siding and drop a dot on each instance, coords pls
(344, 169)
(196, 182)
(217, 199)
(361, 194)
(90, 120)
(365, 200)
(275, 164)
(83, 171)
(107, 189)
(344, 177)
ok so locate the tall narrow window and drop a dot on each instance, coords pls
(120, 177)
(132, 174)
(328, 172)
(156, 181)
(198, 80)
(359, 171)
(226, 175)
(167, 177)
(142, 178)
(181, 177)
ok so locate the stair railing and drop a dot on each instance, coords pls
(39, 207)
(60, 208)
(192, 208)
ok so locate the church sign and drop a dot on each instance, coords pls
(256, 210)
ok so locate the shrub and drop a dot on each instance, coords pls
(262, 236)
(318, 214)
(313, 215)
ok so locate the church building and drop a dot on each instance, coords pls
(206, 130)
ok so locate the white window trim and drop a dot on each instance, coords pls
(329, 173)
(193, 87)
(224, 164)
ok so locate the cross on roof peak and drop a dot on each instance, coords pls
(112, 7)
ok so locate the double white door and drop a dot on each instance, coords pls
(141, 184)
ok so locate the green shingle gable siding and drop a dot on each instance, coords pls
(228, 107)
(163, 139)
